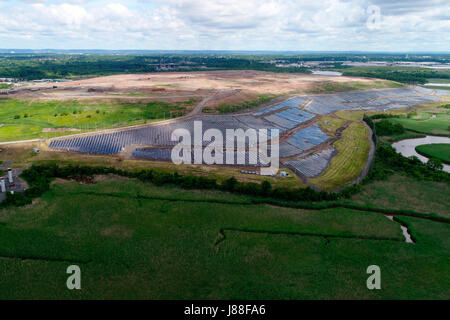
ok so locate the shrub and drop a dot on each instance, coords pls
(412, 114)
(435, 164)
(266, 188)
(387, 128)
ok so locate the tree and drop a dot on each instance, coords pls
(266, 187)
(230, 184)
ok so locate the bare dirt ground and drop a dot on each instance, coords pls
(60, 130)
(235, 86)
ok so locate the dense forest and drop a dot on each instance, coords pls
(33, 66)
(404, 75)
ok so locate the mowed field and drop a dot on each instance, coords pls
(137, 241)
(433, 126)
(433, 119)
(353, 151)
(406, 193)
(439, 151)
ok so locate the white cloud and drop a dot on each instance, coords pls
(224, 24)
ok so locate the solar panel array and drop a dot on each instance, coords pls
(313, 165)
(293, 103)
(284, 123)
(308, 138)
(268, 118)
(113, 143)
(289, 150)
(371, 99)
(250, 158)
(153, 153)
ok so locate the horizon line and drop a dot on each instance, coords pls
(227, 50)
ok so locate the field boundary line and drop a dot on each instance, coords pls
(223, 237)
(393, 212)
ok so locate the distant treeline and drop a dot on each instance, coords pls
(413, 76)
(64, 66)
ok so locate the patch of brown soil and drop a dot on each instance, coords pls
(59, 129)
(160, 86)
(59, 180)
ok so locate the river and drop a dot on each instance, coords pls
(407, 147)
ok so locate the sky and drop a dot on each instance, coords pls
(275, 25)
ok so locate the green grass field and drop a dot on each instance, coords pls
(433, 126)
(438, 87)
(22, 119)
(5, 85)
(129, 245)
(405, 193)
(227, 108)
(440, 81)
(331, 124)
(330, 87)
(439, 151)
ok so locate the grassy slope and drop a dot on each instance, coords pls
(331, 124)
(351, 159)
(165, 249)
(24, 119)
(437, 150)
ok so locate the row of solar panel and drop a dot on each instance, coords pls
(378, 99)
(305, 139)
(113, 143)
(313, 165)
(293, 103)
(247, 158)
(308, 137)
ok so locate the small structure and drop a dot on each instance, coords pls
(284, 174)
(10, 176)
(36, 150)
(10, 182)
(249, 172)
